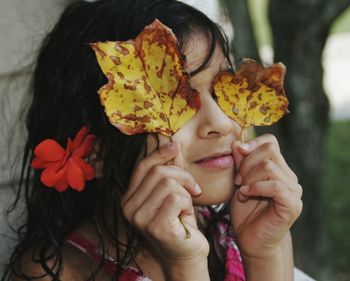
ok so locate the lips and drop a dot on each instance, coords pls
(216, 161)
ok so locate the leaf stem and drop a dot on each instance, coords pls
(188, 233)
(242, 134)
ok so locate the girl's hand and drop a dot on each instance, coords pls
(157, 195)
(269, 199)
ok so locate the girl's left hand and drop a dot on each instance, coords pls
(269, 199)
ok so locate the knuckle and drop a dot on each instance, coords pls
(126, 209)
(138, 219)
(298, 208)
(162, 153)
(271, 148)
(268, 165)
(295, 177)
(186, 201)
(157, 170)
(299, 190)
(271, 138)
(277, 186)
(140, 165)
(174, 199)
(155, 231)
(168, 183)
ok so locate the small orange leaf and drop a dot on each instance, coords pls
(147, 89)
(254, 96)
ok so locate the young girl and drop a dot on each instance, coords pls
(124, 224)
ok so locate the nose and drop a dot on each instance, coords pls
(214, 122)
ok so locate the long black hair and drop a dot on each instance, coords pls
(64, 98)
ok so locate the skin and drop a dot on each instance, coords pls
(163, 187)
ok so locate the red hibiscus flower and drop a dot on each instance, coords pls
(63, 168)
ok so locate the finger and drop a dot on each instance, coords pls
(251, 145)
(269, 170)
(151, 206)
(237, 155)
(240, 150)
(179, 159)
(160, 173)
(159, 157)
(266, 151)
(287, 202)
(160, 185)
(166, 223)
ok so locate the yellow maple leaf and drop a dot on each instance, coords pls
(254, 96)
(147, 89)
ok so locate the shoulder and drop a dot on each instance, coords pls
(75, 266)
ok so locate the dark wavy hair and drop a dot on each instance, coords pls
(64, 98)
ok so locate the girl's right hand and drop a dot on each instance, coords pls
(157, 195)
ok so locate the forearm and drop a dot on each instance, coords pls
(280, 267)
(265, 269)
(190, 272)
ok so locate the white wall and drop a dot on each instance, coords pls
(23, 24)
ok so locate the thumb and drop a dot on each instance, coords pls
(179, 160)
(237, 154)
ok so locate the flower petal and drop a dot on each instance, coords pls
(62, 185)
(49, 150)
(69, 148)
(87, 169)
(86, 146)
(52, 175)
(79, 138)
(75, 175)
(37, 163)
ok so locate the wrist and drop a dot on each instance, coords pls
(266, 268)
(193, 270)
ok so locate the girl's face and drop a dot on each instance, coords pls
(207, 138)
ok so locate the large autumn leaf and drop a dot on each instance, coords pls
(254, 96)
(147, 89)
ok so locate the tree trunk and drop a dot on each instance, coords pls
(300, 29)
(299, 35)
(244, 43)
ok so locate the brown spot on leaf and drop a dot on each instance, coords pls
(124, 51)
(253, 105)
(129, 87)
(255, 88)
(121, 75)
(263, 109)
(147, 104)
(115, 60)
(163, 117)
(137, 108)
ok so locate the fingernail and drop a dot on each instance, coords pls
(245, 146)
(244, 188)
(197, 188)
(242, 197)
(238, 179)
(172, 145)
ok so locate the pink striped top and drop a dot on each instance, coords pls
(233, 264)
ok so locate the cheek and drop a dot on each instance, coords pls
(217, 187)
(186, 135)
